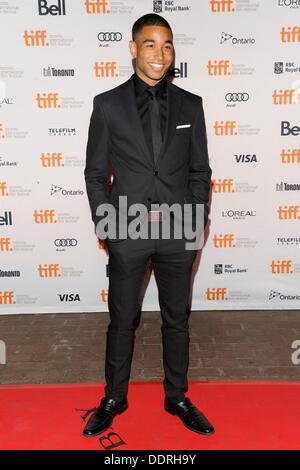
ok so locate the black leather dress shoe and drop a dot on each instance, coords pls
(191, 417)
(103, 416)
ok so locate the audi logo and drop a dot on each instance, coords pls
(105, 37)
(237, 97)
(65, 242)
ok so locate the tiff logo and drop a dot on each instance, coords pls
(222, 128)
(52, 160)
(288, 212)
(290, 34)
(286, 96)
(2, 352)
(96, 7)
(105, 69)
(44, 216)
(35, 38)
(47, 100)
(290, 155)
(221, 6)
(218, 67)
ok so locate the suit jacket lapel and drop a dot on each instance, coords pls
(133, 119)
(173, 110)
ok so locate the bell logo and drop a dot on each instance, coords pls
(286, 129)
(224, 241)
(47, 100)
(44, 216)
(222, 6)
(97, 7)
(290, 34)
(222, 128)
(218, 67)
(105, 69)
(51, 160)
(283, 96)
(216, 293)
(7, 297)
(104, 295)
(37, 38)
(59, 9)
(3, 188)
(5, 244)
(290, 156)
(223, 185)
(2, 131)
(281, 266)
(288, 212)
(48, 270)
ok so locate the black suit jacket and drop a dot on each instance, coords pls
(182, 173)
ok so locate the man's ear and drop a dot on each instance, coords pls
(133, 49)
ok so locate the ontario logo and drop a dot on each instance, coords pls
(65, 192)
(229, 38)
(279, 296)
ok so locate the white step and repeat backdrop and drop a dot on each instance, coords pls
(241, 56)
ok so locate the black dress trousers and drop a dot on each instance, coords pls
(128, 263)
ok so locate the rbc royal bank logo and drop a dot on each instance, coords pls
(157, 6)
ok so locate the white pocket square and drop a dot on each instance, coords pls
(183, 126)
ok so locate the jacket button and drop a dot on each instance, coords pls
(155, 172)
(149, 199)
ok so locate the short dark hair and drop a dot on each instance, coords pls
(151, 19)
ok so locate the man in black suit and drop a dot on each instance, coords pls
(153, 135)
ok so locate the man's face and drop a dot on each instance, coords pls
(154, 53)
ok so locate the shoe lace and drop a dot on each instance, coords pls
(88, 412)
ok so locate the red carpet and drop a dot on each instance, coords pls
(245, 415)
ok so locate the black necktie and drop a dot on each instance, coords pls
(155, 122)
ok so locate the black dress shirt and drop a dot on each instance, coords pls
(143, 99)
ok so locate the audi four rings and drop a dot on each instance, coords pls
(65, 242)
(237, 97)
(109, 36)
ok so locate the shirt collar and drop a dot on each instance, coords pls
(141, 86)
